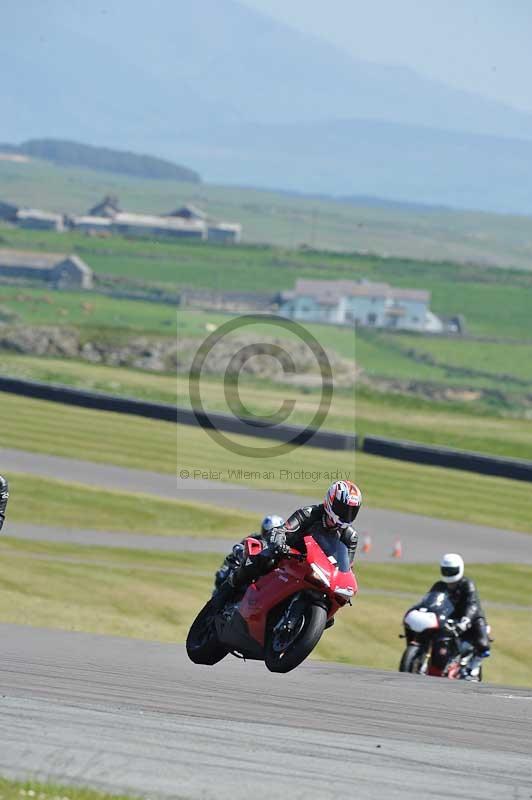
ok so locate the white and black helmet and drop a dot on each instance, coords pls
(452, 568)
(270, 522)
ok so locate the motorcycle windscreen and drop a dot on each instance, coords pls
(439, 603)
(334, 549)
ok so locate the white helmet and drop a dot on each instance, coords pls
(270, 522)
(452, 568)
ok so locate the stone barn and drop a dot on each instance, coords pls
(56, 269)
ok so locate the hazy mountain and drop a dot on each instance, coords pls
(180, 65)
(361, 157)
(214, 80)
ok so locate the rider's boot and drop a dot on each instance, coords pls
(222, 594)
(238, 579)
(230, 562)
(473, 668)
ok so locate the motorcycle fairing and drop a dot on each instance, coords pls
(419, 620)
(290, 577)
(233, 631)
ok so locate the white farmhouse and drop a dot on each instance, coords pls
(345, 302)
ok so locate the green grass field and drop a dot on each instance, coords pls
(459, 365)
(94, 314)
(72, 505)
(284, 220)
(494, 302)
(152, 596)
(105, 437)
(510, 359)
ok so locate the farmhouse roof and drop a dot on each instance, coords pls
(89, 219)
(37, 213)
(327, 291)
(153, 221)
(35, 260)
(107, 207)
(27, 258)
(188, 211)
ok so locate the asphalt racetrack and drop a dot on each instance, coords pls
(423, 539)
(137, 716)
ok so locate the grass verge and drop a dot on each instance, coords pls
(156, 596)
(105, 437)
(44, 501)
(35, 790)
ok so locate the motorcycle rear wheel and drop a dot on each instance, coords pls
(308, 636)
(412, 659)
(203, 645)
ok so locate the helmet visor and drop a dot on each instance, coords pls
(450, 572)
(344, 512)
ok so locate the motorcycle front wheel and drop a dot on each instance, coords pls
(412, 659)
(203, 645)
(285, 651)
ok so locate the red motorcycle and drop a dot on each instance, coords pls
(280, 617)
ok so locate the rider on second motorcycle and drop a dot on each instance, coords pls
(233, 559)
(463, 594)
(333, 517)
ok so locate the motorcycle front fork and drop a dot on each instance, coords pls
(425, 663)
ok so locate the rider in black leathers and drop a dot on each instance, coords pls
(4, 496)
(234, 557)
(471, 621)
(332, 517)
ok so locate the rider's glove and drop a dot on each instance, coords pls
(463, 625)
(277, 540)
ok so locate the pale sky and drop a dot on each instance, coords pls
(479, 45)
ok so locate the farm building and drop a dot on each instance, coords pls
(39, 220)
(57, 269)
(90, 224)
(151, 225)
(225, 232)
(345, 302)
(8, 211)
(108, 207)
(187, 222)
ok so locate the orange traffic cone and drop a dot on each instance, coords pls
(397, 551)
(366, 543)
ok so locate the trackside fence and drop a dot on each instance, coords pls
(446, 457)
(328, 440)
(515, 469)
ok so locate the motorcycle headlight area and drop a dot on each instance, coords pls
(347, 592)
(319, 574)
(419, 621)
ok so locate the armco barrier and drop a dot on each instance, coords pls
(446, 457)
(328, 440)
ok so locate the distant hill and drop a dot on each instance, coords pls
(250, 101)
(75, 154)
(412, 164)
